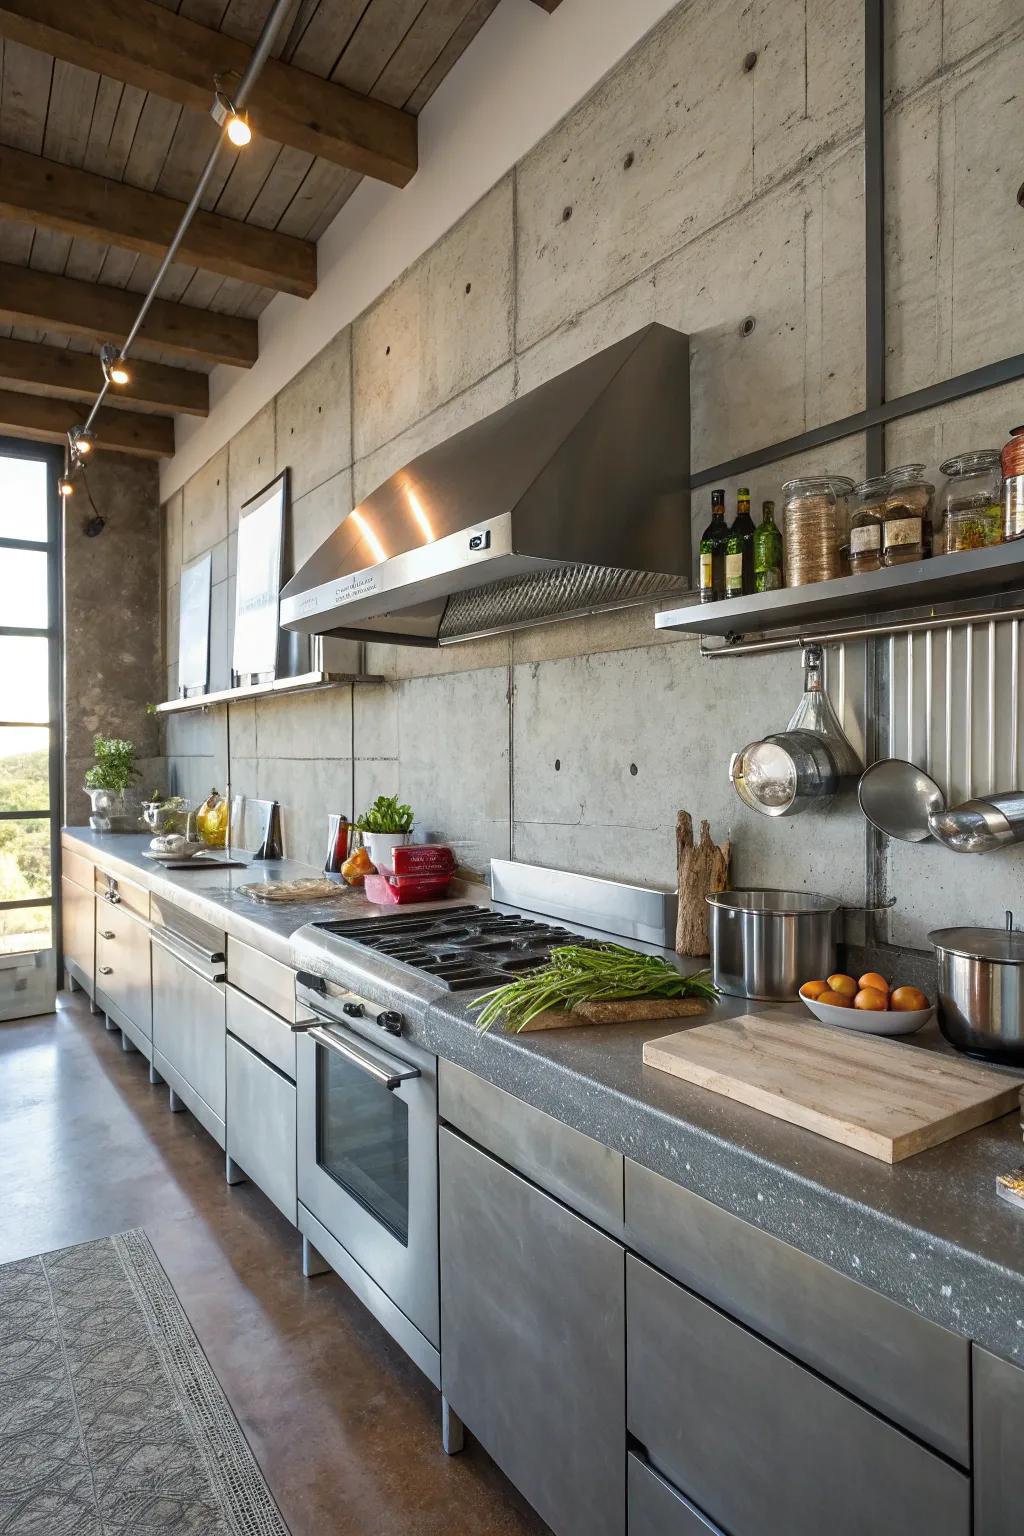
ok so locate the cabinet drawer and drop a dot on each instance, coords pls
(123, 965)
(188, 1025)
(533, 1341)
(265, 979)
(565, 1162)
(260, 1126)
(912, 1370)
(115, 890)
(81, 870)
(761, 1445)
(998, 1437)
(655, 1508)
(264, 1031)
(78, 914)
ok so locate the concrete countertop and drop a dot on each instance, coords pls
(929, 1232)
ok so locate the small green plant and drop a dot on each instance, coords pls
(114, 768)
(386, 815)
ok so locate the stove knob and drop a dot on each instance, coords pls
(353, 1010)
(391, 1021)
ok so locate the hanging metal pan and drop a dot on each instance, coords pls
(897, 797)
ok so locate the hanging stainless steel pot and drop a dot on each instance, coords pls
(981, 990)
(765, 944)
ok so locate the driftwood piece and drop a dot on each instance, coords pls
(703, 868)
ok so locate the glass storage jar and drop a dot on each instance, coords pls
(815, 525)
(907, 519)
(868, 510)
(972, 500)
(1013, 485)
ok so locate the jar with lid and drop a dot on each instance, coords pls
(866, 524)
(907, 520)
(972, 500)
(1013, 485)
(815, 521)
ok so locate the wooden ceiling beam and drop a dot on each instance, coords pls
(75, 202)
(75, 308)
(149, 46)
(48, 421)
(78, 376)
(548, 5)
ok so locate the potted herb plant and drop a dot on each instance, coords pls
(385, 827)
(108, 784)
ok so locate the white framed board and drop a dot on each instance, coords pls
(194, 627)
(258, 583)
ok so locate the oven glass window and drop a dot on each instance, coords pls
(363, 1140)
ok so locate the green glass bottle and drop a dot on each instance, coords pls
(767, 551)
(739, 551)
(712, 552)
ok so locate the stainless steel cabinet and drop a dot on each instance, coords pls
(189, 1035)
(758, 1443)
(655, 1508)
(78, 917)
(998, 1446)
(122, 966)
(260, 1125)
(533, 1339)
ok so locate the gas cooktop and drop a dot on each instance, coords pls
(462, 947)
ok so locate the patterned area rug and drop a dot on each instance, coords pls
(111, 1420)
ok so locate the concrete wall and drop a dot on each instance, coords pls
(698, 191)
(113, 665)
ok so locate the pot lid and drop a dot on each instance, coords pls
(981, 943)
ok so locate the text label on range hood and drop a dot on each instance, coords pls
(571, 499)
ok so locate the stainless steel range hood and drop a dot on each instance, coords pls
(571, 499)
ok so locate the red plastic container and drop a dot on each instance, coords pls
(388, 891)
(423, 859)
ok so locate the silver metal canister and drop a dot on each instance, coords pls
(765, 944)
(981, 990)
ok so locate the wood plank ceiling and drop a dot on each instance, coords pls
(104, 128)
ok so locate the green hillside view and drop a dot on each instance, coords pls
(24, 851)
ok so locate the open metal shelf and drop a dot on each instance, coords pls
(862, 602)
(306, 682)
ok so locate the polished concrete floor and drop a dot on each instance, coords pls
(345, 1428)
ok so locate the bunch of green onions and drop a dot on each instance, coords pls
(577, 973)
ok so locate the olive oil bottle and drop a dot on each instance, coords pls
(739, 551)
(767, 551)
(712, 552)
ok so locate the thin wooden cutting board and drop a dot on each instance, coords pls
(882, 1098)
(632, 1011)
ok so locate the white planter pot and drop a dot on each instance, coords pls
(381, 846)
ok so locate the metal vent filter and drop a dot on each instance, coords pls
(563, 592)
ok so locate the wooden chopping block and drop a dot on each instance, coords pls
(631, 1011)
(703, 868)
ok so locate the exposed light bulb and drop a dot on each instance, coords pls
(115, 371)
(239, 131)
(81, 442)
(66, 486)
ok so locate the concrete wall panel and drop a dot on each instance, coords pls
(252, 460)
(314, 418)
(205, 508)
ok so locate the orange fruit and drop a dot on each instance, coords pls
(844, 984)
(871, 1000)
(876, 982)
(836, 999)
(908, 1000)
(813, 989)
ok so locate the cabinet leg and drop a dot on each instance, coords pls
(126, 1044)
(313, 1263)
(174, 1104)
(232, 1173)
(154, 1075)
(453, 1431)
(70, 984)
(108, 1024)
(92, 1005)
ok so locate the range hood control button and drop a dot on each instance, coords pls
(480, 540)
(391, 1021)
(353, 1010)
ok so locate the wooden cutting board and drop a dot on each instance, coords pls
(633, 1011)
(882, 1098)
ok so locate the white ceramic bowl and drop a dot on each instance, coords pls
(891, 1022)
(180, 856)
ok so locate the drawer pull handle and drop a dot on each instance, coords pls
(106, 970)
(107, 933)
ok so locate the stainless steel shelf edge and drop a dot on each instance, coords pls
(419, 1350)
(631, 911)
(945, 580)
(194, 1102)
(306, 682)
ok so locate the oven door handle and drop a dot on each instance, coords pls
(367, 1059)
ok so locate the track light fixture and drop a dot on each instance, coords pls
(115, 371)
(226, 114)
(66, 486)
(81, 443)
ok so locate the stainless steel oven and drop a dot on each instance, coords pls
(367, 1157)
